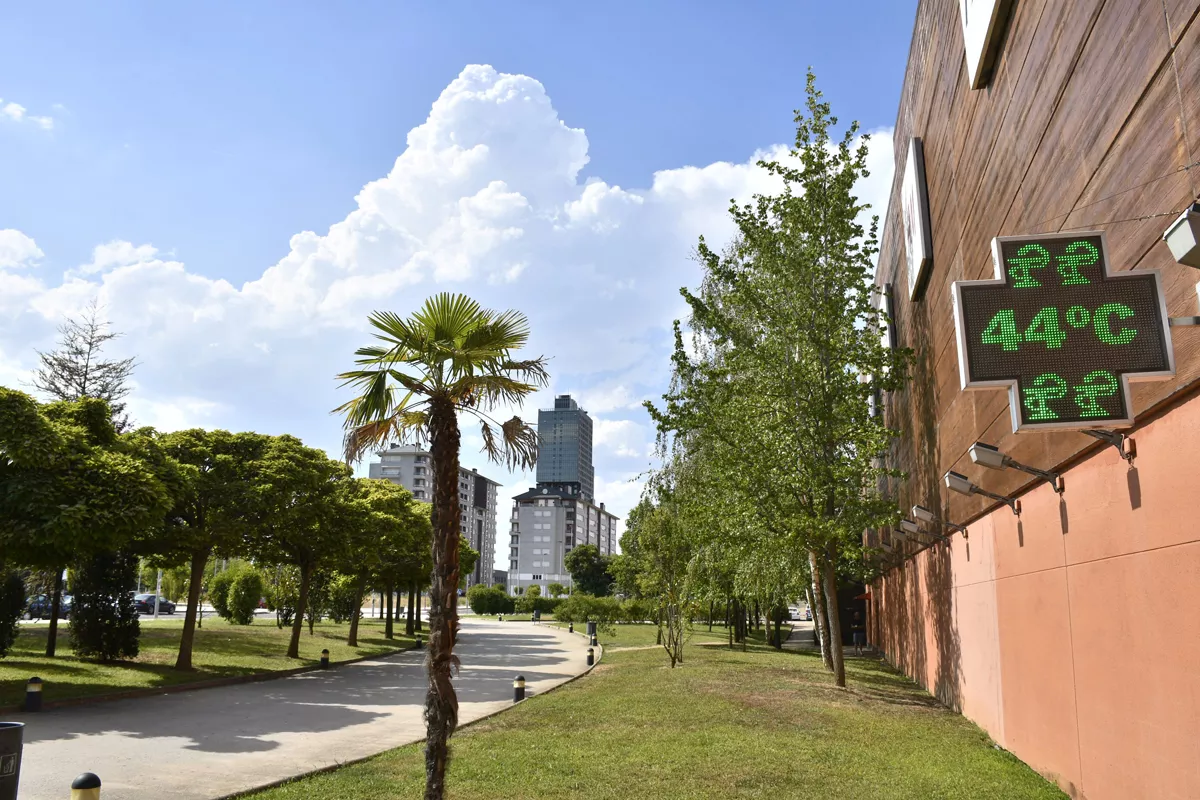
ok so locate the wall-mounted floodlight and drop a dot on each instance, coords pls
(987, 456)
(908, 526)
(957, 482)
(925, 515)
(1183, 237)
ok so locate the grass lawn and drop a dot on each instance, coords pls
(725, 724)
(221, 650)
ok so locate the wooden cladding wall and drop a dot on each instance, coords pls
(1091, 121)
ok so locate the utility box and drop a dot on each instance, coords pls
(11, 734)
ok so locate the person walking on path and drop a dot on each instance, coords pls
(859, 630)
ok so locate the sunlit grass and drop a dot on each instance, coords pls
(221, 650)
(725, 724)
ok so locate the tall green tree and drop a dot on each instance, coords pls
(451, 357)
(786, 325)
(297, 518)
(211, 516)
(71, 486)
(589, 570)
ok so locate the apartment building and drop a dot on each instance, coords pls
(412, 468)
(547, 523)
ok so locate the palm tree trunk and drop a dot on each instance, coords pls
(441, 702)
(352, 639)
(199, 558)
(835, 624)
(820, 617)
(388, 631)
(412, 602)
(293, 650)
(55, 609)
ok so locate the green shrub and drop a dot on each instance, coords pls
(12, 604)
(218, 591)
(531, 602)
(343, 598)
(283, 593)
(243, 596)
(104, 622)
(487, 601)
(580, 608)
(637, 610)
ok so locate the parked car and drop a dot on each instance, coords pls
(39, 607)
(144, 603)
(808, 614)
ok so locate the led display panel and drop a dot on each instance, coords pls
(1061, 333)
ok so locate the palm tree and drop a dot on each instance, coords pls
(452, 356)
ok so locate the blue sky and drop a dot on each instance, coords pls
(191, 144)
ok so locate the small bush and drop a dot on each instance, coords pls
(218, 592)
(487, 601)
(243, 596)
(530, 603)
(637, 610)
(12, 605)
(580, 608)
(344, 599)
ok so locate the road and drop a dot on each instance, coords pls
(212, 742)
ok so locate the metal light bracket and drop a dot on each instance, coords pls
(1125, 446)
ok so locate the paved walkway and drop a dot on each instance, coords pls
(210, 743)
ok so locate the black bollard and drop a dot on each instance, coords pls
(591, 656)
(324, 659)
(519, 689)
(418, 641)
(593, 642)
(33, 695)
(570, 627)
(86, 787)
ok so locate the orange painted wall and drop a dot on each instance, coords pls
(1072, 636)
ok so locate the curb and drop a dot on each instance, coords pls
(151, 691)
(322, 770)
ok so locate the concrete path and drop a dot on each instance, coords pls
(213, 742)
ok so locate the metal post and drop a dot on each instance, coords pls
(86, 787)
(324, 659)
(593, 641)
(591, 656)
(33, 695)
(157, 592)
(519, 689)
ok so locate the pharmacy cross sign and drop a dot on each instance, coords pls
(1061, 333)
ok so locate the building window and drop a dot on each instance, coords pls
(537, 577)
(418, 481)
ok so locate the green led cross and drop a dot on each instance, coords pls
(1060, 332)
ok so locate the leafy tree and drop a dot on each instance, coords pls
(556, 589)
(218, 592)
(786, 356)
(467, 558)
(211, 516)
(72, 487)
(296, 519)
(589, 570)
(450, 357)
(581, 607)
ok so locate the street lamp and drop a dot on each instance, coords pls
(987, 456)
(957, 482)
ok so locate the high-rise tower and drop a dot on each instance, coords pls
(565, 448)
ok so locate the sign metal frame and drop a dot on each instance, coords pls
(1014, 398)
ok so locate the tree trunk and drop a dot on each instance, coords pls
(412, 603)
(441, 702)
(352, 639)
(835, 625)
(293, 650)
(778, 626)
(417, 622)
(710, 616)
(199, 559)
(55, 609)
(820, 618)
(388, 631)
(757, 623)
